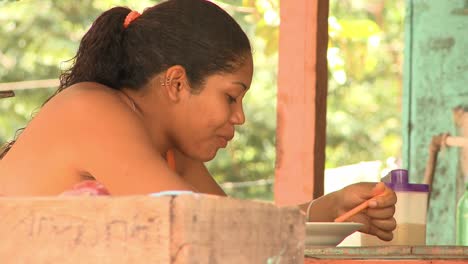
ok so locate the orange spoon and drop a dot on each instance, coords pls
(355, 210)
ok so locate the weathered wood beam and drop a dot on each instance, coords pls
(142, 229)
(302, 100)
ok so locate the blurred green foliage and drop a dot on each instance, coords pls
(365, 56)
(365, 81)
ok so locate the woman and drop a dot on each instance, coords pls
(147, 91)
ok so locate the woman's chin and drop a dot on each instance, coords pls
(203, 154)
(208, 155)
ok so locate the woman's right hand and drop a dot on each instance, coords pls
(378, 219)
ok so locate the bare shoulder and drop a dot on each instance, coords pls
(92, 114)
(87, 111)
(81, 129)
(88, 97)
(107, 139)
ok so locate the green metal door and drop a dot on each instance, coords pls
(435, 82)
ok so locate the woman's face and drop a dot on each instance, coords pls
(205, 120)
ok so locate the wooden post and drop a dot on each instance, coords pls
(302, 94)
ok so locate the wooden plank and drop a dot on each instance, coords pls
(388, 255)
(85, 230)
(236, 233)
(136, 229)
(382, 261)
(389, 252)
(302, 90)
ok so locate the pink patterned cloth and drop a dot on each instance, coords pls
(95, 188)
(87, 188)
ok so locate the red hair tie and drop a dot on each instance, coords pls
(130, 18)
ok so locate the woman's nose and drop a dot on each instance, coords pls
(237, 116)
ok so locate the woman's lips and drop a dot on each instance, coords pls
(223, 141)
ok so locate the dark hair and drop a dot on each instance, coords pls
(196, 34)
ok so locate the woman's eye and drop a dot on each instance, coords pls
(231, 99)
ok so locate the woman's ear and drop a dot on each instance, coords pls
(174, 82)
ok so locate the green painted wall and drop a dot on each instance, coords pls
(435, 82)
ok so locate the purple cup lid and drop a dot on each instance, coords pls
(399, 182)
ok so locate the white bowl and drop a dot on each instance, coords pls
(328, 234)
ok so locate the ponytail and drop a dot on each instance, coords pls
(100, 55)
(99, 58)
(8, 145)
(5, 148)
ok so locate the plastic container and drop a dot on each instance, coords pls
(410, 213)
(462, 219)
